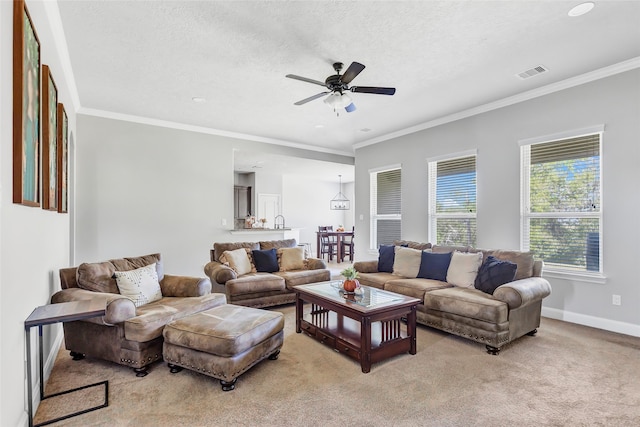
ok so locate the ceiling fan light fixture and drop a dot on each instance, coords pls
(337, 100)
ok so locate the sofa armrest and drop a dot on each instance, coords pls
(520, 293)
(316, 264)
(118, 307)
(366, 266)
(219, 273)
(183, 286)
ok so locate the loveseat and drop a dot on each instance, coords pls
(262, 274)
(130, 332)
(494, 304)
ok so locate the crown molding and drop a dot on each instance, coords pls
(206, 130)
(601, 73)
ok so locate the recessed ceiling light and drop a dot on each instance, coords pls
(365, 130)
(581, 9)
(319, 126)
(198, 100)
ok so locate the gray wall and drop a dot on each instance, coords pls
(614, 102)
(144, 189)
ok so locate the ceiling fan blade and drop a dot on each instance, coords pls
(305, 79)
(376, 90)
(354, 69)
(311, 98)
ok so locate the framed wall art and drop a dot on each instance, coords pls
(49, 141)
(26, 108)
(63, 160)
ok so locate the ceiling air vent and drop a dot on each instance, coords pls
(533, 72)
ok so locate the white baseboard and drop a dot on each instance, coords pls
(592, 321)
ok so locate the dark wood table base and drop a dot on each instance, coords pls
(366, 337)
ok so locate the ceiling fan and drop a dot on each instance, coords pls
(338, 84)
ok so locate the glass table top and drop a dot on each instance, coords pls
(365, 296)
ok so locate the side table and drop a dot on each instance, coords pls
(56, 313)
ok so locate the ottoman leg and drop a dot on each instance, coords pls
(228, 385)
(275, 355)
(174, 369)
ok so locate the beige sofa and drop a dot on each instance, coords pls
(126, 334)
(512, 311)
(262, 289)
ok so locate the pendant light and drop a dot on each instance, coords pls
(340, 202)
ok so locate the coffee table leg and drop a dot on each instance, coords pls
(298, 313)
(365, 344)
(411, 329)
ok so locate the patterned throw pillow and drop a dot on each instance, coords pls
(463, 269)
(238, 260)
(494, 273)
(140, 285)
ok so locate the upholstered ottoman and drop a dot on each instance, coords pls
(223, 342)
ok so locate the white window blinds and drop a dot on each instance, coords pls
(562, 202)
(452, 207)
(386, 206)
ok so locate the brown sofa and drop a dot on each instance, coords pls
(260, 289)
(126, 334)
(512, 311)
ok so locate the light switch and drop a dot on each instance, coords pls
(224, 222)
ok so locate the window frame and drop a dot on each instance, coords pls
(373, 205)
(526, 214)
(433, 216)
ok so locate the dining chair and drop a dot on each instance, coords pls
(347, 246)
(328, 245)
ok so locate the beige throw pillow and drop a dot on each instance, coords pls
(407, 262)
(463, 269)
(238, 260)
(140, 285)
(291, 258)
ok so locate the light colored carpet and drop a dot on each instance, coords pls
(566, 375)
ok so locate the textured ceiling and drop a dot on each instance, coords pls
(149, 59)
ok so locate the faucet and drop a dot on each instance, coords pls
(276, 224)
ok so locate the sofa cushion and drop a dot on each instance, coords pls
(375, 280)
(238, 260)
(291, 258)
(493, 273)
(140, 285)
(266, 261)
(277, 244)
(151, 318)
(434, 266)
(303, 277)
(407, 262)
(414, 288)
(413, 245)
(254, 283)
(465, 302)
(463, 269)
(98, 276)
(386, 256)
(524, 261)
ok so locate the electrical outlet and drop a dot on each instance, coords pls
(616, 300)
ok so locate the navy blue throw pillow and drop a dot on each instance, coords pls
(493, 273)
(266, 261)
(434, 266)
(386, 257)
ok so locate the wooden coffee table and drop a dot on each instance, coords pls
(368, 327)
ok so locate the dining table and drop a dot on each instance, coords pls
(339, 235)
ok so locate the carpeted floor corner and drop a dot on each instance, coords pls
(566, 375)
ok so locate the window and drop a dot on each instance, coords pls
(452, 201)
(561, 203)
(386, 205)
